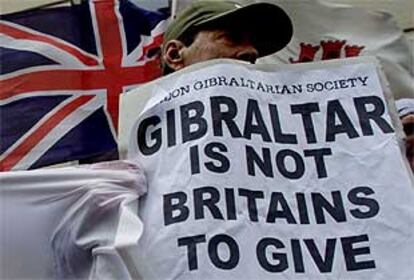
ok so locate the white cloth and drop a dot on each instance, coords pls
(70, 223)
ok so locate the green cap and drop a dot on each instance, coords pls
(270, 26)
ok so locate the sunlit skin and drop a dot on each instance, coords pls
(219, 44)
(408, 124)
(211, 44)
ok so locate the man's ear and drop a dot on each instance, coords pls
(172, 54)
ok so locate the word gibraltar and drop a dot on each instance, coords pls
(192, 122)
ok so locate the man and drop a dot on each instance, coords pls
(167, 248)
(203, 31)
(208, 30)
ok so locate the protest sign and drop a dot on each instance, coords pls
(256, 172)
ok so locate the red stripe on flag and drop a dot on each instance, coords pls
(24, 35)
(109, 34)
(111, 43)
(29, 143)
(77, 79)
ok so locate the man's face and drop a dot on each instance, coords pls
(408, 125)
(211, 44)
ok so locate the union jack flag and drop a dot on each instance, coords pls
(62, 71)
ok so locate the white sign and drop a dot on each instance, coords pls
(257, 174)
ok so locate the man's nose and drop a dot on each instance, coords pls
(247, 53)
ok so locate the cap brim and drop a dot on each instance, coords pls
(270, 26)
